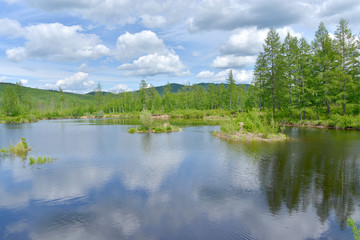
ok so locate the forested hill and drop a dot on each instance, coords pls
(45, 96)
(176, 87)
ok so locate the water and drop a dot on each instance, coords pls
(108, 184)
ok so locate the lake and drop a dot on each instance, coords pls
(108, 184)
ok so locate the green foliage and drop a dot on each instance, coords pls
(146, 119)
(23, 140)
(99, 114)
(355, 230)
(40, 160)
(251, 122)
(20, 149)
(157, 127)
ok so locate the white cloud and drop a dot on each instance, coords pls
(242, 76)
(241, 48)
(24, 81)
(154, 64)
(231, 61)
(246, 41)
(57, 42)
(153, 21)
(119, 88)
(151, 13)
(78, 81)
(10, 27)
(153, 57)
(83, 67)
(130, 46)
(3, 78)
(233, 14)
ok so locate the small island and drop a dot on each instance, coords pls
(149, 126)
(251, 127)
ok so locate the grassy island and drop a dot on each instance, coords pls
(252, 126)
(149, 126)
(20, 149)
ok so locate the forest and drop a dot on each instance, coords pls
(294, 81)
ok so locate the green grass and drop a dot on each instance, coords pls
(40, 160)
(20, 149)
(158, 127)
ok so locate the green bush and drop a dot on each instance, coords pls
(146, 119)
(99, 114)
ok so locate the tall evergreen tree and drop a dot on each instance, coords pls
(347, 49)
(324, 63)
(98, 96)
(272, 55)
(9, 102)
(231, 88)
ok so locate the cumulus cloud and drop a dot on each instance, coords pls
(232, 14)
(231, 61)
(130, 46)
(3, 78)
(56, 42)
(9, 27)
(24, 81)
(151, 14)
(153, 57)
(153, 21)
(246, 41)
(119, 88)
(78, 81)
(242, 47)
(153, 64)
(242, 76)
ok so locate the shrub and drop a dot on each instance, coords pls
(146, 119)
(99, 114)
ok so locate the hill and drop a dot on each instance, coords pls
(47, 96)
(175, 87)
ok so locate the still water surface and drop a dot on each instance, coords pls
(109, 184)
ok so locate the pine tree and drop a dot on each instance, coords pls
(231, 89)
(62, 98)
(98, 96)
(346, 47)
(324, 63)
(10, 103)
(273, 58)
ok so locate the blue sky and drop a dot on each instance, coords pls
(77, 44)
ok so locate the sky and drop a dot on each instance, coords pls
(77, 44)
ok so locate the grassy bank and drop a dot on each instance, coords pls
(148, 125)
(251, 126)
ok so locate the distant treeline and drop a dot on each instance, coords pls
(17, 100)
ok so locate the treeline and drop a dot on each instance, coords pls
(308, 80)
(230, 96)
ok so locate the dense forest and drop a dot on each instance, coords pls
(293, 80)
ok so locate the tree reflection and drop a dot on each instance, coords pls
(321, 169)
